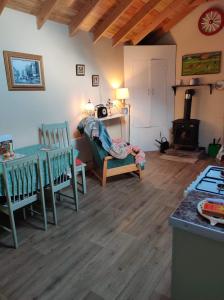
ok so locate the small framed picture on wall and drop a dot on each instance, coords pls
(95, 80)
(80, 70)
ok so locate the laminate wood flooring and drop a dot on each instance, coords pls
(117, 247)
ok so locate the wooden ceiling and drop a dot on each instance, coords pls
(123, 21)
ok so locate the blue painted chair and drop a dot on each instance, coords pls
(58, 134)
(23, 186)
(62, 174)
(80, 168)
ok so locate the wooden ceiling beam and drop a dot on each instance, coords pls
(111, 18)
(156, 21)
(169, 25)
(124, 31)
(196, 3)
(84, 12)
(2, 5)
(45, 12)
(178, 17)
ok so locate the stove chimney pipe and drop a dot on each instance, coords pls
(187, 103)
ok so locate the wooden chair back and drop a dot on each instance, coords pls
(23, 185)
(57, 134)
(22, 179)
(60, 167)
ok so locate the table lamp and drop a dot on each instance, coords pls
(122, 94)
(89, 108)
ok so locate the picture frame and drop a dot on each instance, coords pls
(24, 72)
(201, 63)
(95, 80)
(80, 70)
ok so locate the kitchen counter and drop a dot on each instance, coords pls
(197, 252)
(186, 217)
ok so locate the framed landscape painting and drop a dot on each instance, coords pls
(201, 63)
(24, 72)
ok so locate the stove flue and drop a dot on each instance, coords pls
(187, 103)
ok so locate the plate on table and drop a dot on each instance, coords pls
(213, 220)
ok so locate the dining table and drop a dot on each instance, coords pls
(41, 151)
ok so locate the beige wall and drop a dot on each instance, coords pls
(22, 112)
(208, 108)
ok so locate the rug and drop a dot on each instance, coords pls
(184, 156)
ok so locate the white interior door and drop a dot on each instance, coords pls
(158, 90)
(140, 96)
(149, 75)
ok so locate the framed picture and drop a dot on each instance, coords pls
(80, 70)
(95, 80)
(24, 72)
(201, 63)
(6, 144)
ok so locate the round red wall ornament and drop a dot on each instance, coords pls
(211, 21)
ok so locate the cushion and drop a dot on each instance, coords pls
(78, 162)
(115, 162)
(99, 154)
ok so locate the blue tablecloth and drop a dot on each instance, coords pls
(30, 150)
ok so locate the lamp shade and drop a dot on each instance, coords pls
(122, 94)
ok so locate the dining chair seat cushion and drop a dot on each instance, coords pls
(78, 162)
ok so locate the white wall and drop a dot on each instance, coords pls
(22, 112)
(208, 108)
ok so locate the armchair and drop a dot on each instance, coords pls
(106, 166)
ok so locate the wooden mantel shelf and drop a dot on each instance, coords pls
(210, 85)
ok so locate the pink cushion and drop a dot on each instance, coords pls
(78, 162)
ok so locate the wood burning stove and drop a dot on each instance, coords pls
(186, 130)
(186, 133)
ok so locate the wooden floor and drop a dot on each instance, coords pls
(118, 246)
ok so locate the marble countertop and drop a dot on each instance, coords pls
(186, 217)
